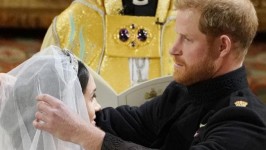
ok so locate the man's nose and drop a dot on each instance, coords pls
(177, 48)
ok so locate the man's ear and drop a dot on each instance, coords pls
(225, 45)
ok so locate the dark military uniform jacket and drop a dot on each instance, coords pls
(217, 114)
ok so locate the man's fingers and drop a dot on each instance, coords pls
(43, 107)
(52, 101)
(35, 123)
(38, 124)
(40, 117)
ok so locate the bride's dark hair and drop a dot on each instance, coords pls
(83, 75)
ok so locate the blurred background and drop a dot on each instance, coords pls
(23, 24)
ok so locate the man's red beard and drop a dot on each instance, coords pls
(189, 75)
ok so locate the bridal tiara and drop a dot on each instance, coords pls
(73, 59)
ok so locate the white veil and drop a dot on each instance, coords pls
(52, 72)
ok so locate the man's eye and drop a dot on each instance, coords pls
(94, 95)
(187, 39)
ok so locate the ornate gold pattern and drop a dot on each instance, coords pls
(133, 41)
(132, 47)
(92, 22)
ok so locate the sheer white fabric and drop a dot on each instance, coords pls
(6, 83)
(49, 71)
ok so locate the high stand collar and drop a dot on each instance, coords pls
(219, 87)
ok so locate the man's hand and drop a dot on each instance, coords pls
(56, 118)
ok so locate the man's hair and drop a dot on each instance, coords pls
(235, 18)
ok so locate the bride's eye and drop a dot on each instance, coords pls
(94, 96)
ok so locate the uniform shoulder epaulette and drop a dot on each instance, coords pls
(241, 103)
(238, 100)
